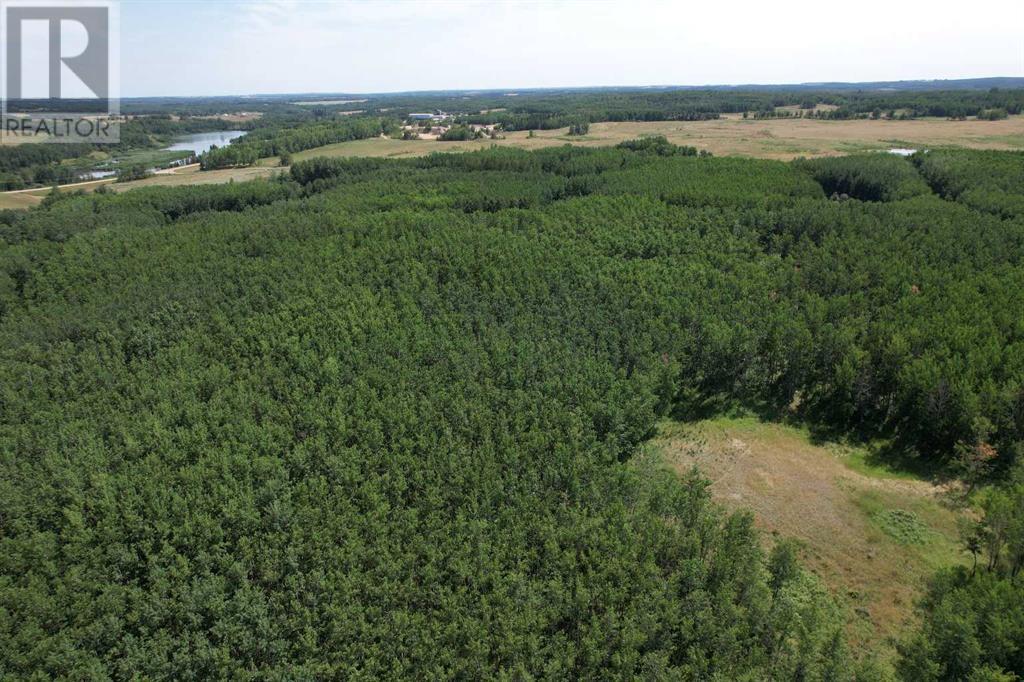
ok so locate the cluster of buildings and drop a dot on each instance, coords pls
(438, 115)
(431, 126)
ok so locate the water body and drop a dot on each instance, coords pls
(200, 143)
(902, 152)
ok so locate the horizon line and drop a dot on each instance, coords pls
(508, 89)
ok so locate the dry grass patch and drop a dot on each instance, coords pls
(874, 539)
(18, 200)
(191, 175)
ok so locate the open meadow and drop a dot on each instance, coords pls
(732, 135)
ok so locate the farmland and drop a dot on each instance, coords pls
(731, 136)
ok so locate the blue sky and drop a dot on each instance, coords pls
(205, 47)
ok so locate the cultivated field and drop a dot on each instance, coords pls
(733, 136)
(872, 535)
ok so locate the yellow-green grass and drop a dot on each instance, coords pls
(731, 135)
(872, 535)
(193, 176)
(18, 200)
(190, 175)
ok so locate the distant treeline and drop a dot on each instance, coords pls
(551, 121)
(559, 110)
(542, 108)
(282, 139)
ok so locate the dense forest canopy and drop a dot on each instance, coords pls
(386, 418)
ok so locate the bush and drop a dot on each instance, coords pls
(459, 133)
(657, 144)
(993, 115)
(136, 172)
(579, 128)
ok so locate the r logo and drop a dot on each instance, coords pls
(60, 71)
(91, 66)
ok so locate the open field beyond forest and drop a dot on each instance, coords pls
(729, 136)
(874, 536)
(732, 136)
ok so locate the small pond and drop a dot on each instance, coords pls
(200, 143)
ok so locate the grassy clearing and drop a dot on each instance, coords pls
(871, 534)
(191, 175)
(387, 147)
(18, 201)
(872, 460)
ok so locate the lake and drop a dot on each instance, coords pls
(200, 143)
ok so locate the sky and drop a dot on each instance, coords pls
(210, 47)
